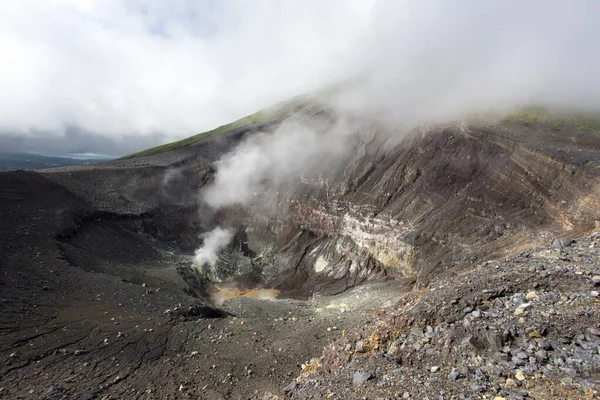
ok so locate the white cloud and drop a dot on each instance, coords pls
(177, 67)
(434, 60)
(120, 67)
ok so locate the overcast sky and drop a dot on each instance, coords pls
(115, 76)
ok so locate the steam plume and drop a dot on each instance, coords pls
(265, 161)
(421, 62)
(269, 159)
(214, 241)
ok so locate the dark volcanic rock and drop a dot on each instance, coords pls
(554, 336)
(92, 256)
(562, 242)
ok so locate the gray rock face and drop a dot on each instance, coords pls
(559, 243)
(417, 332)
(360, 346)
(555, 334)
(361, 377)
(455, 374)
(289, 388)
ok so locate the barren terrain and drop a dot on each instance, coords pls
(408, 263)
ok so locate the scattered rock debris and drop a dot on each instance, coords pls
(486, 333)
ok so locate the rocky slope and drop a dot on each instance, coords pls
(381, 212)
(92, 258)
(519, 327)
(443, 199)
(93, 307)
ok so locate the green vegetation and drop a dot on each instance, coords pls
(250, 119)
(307, 103)
(587, 123)
(297, 105)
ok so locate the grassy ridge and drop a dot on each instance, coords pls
(586, 123)
(299, 104)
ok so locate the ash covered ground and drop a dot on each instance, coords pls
(420, 269)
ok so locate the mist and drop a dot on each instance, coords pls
(425, 63)
(266, 160)
(214, 241)
(429, 62)
(126, 69)
(123, 68)
(72, 140)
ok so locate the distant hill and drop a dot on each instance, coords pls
(13, 161)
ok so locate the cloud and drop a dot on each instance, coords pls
(429, 61)
(131, 67)
(142, 67)
(415, 62)
(71, 140)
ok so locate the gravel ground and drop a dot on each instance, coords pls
(516, 328)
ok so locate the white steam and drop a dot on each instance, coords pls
(420, 62)
(214, 241)
(265, 161)
(269, 159)
(411, 62)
